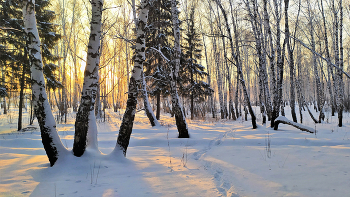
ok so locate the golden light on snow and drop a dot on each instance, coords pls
(109, 193)
(177, 169)
(20, 183)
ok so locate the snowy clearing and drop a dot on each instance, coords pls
(222, 158)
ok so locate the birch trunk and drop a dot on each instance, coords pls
(50, 139)
(221, 76)
(280, 62)
(272, 51)
(338, 53)
(177, 108)
(211, 103)
(219, 80)
(341, 65)
(329, 67)
(320, 95)
(236, 57)
(264, 93)
(136, 80)
(21, 95)
(85, 124)
(291, 62)
(148, 109)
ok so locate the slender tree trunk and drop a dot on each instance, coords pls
(177, 108)
(236, 57)
(264, 95)
(280, 62)
(291, 62)
(236, 97)
(271, 55)
(158, 106)
(148, 109)
(85, 124)
(329, 67)
(50, 139)
(21, 94)
(340, 94)
(211, 103)
(320, 95)
(136, 80)
(3, 84)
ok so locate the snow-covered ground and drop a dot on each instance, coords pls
(222, 158)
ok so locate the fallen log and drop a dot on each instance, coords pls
(284, 120)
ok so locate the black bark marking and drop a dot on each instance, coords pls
(46, 138)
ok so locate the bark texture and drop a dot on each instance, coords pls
(136, 80)
(277, 101)
(50, 139)
(176, 104)
(148, 109)
(85, 132)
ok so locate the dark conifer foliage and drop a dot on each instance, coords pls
(158, 36)
(192, 74)
(15, 61)
(13, 39)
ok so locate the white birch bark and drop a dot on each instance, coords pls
(271, 55)
(277, 101)
(135, 81)
(85, 124)
(148, 109)
(338, 77)
(329, 67)
(50, 139)
(236, 57)
(264, 94)
(341, 65)
(177, 108)
(320, 94)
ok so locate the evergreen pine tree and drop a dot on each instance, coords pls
(14, 44)
(158, 37)
(192, 73)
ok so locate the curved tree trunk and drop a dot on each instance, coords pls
(136, 81)
(85, 124)
(148, 109)
(50, 139)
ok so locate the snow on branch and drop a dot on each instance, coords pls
(165, 58)
(284, 120)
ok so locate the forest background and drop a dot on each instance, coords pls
(234, 55)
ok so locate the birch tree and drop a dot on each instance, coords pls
(279, 64)
(85, 124)
(177, 108)
(329, 67)
(50, 139)
(136, 80)
(290, 62)
(236, 56)
(264, 93)
(320, 94)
